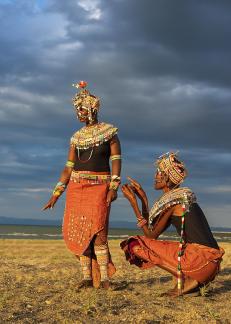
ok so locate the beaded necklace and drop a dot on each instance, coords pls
(169, 199)
(95, 135)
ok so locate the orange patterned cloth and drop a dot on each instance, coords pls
(198, 262)
(86, 212)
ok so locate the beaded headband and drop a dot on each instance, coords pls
(84, 99)
(172, 167)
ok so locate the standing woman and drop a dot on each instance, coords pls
(91, 187)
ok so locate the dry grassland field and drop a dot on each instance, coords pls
(38, 280)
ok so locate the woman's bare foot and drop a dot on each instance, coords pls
(105, 284)
(190, 287)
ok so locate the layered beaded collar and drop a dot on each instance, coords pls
(95, 135)
(173, 197)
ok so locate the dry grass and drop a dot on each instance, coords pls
(38, 285)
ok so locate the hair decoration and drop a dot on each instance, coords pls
(80, 84)
(85, 100)
(169, 164)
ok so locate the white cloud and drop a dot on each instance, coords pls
(92, 8)
(58, 55)
(217, 189)
(29, 190)
(19, 103)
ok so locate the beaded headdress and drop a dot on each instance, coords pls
(172, 167)
(84, 99)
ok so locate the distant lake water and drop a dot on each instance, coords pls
(55, 233)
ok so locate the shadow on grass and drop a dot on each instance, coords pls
(224, 272)
(225, 287)
(127, 285)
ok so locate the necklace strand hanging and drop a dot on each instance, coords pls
(90, 156)
(85, 161)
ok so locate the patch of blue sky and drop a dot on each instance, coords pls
(7, 1)
(41, 3)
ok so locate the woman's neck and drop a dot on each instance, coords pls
(94, 122)
(167, 189)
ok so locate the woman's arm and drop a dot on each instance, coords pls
(64, 177)
(115, 168)
(66, 173)
(115, 151)
(160, 225)
(139, 191)
(161, 222)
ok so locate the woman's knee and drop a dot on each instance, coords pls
(100, 239)
(207, 273)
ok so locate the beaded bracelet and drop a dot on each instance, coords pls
(59, 189)
(70, 164)
(115, 157)
(115, 178)
(115, 182)
(114, 185)
(141, 222)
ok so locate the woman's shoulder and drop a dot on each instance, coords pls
(108, 127)
(107, 131)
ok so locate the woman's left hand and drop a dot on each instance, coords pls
(129, 194)
(111, 196)
(138, 190)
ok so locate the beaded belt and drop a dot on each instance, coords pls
(90, 177)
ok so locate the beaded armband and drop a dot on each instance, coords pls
(115, 183)
(70, 164)
(142, 222)
(59, 189)
(115, 157)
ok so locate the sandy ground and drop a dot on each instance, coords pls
(38, 285)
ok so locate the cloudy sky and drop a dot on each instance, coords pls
(162, 70)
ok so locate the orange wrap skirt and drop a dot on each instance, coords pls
(86, 212)
(198, 262)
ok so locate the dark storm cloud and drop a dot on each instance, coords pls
(161, 68)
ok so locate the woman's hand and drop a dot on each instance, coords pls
(138, 190)
(111, 196)
(129, 194)
(51, 202)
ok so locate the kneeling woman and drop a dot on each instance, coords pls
(196, 258)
